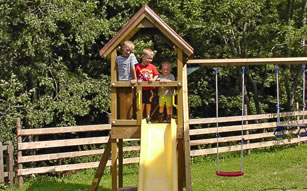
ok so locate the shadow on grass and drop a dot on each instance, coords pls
(51, 185)
(282, 189)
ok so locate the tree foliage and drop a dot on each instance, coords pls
(52, 75)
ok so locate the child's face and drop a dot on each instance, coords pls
(147, 59)
(166, 69)
(127, 50)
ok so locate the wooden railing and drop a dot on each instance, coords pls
(258, 133)
(7, 173)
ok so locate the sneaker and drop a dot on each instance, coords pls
(168, 118)
(148, 120)
(161, 117)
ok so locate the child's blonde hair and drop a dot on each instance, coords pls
(166, 63)
(129, 43)
(147, 51)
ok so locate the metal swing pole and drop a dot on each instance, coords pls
(217, 117)
(304, 85)
(277, 104)
(242, 123)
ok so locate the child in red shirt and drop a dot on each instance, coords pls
(146, 71)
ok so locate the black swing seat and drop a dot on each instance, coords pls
(229, 174)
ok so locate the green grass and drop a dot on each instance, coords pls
(277, 169)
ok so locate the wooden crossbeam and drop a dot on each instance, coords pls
(248, 61)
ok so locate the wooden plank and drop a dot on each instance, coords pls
(4, 147)
(63, 143)
(71, 129)
(19, 152)
(125, 132)
(248, 61)
(233, 128)
(145, 23)
(123, 122)
(146, 84)
(245, 118)
(56, 156)
(1, 164)
(10, 163)
(114, 164)
(101, 167)
(159, 84)
(249, 146)
(235, 138)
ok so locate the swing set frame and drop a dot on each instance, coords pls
(245, 62)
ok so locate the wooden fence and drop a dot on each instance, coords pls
(7, 173)
(259, 133)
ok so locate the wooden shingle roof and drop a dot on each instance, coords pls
(145, 17)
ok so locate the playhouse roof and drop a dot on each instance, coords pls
(145, 18)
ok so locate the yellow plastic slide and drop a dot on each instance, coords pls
(158, 160)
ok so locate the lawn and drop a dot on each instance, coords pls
(274, 169)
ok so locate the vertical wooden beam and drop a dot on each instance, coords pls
(180, 90)
(113, 89)
(139, 114)
(181, 173)
(1, 164)
(114, 164)
(186, 129)
(181, 160)
(100, 170)
(114, 117)
(120, 163)
(10, 163)
(19, 152)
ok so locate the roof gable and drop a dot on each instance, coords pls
(144, 18)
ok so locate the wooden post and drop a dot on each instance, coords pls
(101, 167)
(181, 160)
(120, 163)
(139, 115)
(181, 172)
(19, 153)
(186, 126)
(114, 164)
(1, 164)
(114, 117)
(10, 163)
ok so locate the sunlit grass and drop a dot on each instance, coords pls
(274, 169)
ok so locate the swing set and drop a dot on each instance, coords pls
(279, 131)
(218, 172)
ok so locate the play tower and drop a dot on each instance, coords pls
(165, 147)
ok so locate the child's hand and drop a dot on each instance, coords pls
(140, 81)
(163, 81)
(151, 80)
(133, 82)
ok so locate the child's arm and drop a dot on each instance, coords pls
(133, 81)
(156, 75)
